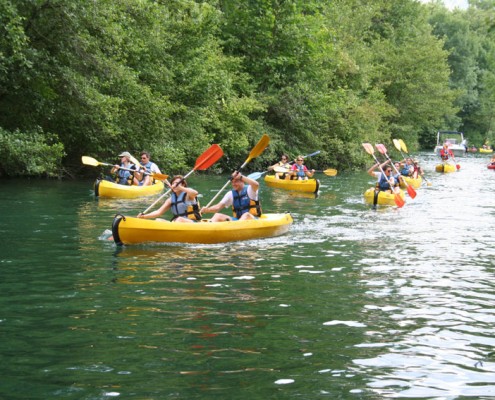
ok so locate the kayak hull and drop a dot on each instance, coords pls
(382, 198)
(414, 182)
(130, 230)
(481, 150)
(491, 166)
(104, 188)
(307, 186)
(445, 168)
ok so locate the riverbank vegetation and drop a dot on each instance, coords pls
(171, 77)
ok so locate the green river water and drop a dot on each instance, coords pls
(351, 304)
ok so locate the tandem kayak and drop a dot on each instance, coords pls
(130, 230)
(445, 168)
(308, 185)
(414, 182)
(382, 198)
(104, 188)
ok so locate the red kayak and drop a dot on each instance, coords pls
(491, 166)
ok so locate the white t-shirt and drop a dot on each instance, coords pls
(228, 199)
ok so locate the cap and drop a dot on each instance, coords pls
(125, 154)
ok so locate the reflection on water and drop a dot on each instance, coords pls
(351, 303)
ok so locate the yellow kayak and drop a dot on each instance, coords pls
(383, 198)
(482, 150)
(445, 168)
(308, 186)
(414, 182)
(104, 188)
(130, 230)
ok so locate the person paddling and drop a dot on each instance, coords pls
(243, 198)
(150, 167)
(183, 203)
(125, 177)
(283, 163)
(385, 182)
(300, 171)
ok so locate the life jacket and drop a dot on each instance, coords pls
(300, 171)
(242, 204)
(182, 208)
(445, 154)
(147, 167)
(282, 175)
(405, 170)
(125, 177)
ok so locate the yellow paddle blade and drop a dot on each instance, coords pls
(259, 148)
(89, 161)
(330, 172)
(397, 144)
(135, 162)
(160, 177)
(403, 146)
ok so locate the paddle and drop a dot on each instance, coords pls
(204, 161)
(329, 171)
(255, 152)
(399, 201)
(258, 175)
(94, 163)
(382, 149)
(400, 145)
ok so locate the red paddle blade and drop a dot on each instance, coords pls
(411, 191)
(399, 200)
(458, 166)
(209, 157)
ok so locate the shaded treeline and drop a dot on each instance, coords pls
(95, 78)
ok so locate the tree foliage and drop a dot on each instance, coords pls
(172, 77)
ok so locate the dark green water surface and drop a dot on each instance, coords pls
(351, 304)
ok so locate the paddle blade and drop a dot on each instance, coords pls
(369, 148)
(403, 146)
(136, 162)
(259, 148)
(330, 172)
(312, 154)
(399, 201)
(281, 170)
(160, 177)
(397, 144)
(411, 191)
(256, 175)
(89, 161)
(458, 166)
(381, 148)
(209, 157)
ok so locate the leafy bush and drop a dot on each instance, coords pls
(30, 153)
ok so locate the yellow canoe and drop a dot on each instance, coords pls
(308, 186)
(482, 150)
(130, 230)
(414, 182)
(383, 198)
(445, 168)
(104, 188)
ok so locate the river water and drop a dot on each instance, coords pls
(353, 303)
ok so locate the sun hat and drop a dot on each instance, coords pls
(125, 154)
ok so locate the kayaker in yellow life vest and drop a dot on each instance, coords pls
(243, 198)
(183, 203)
(284, 163)
(126, 177)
